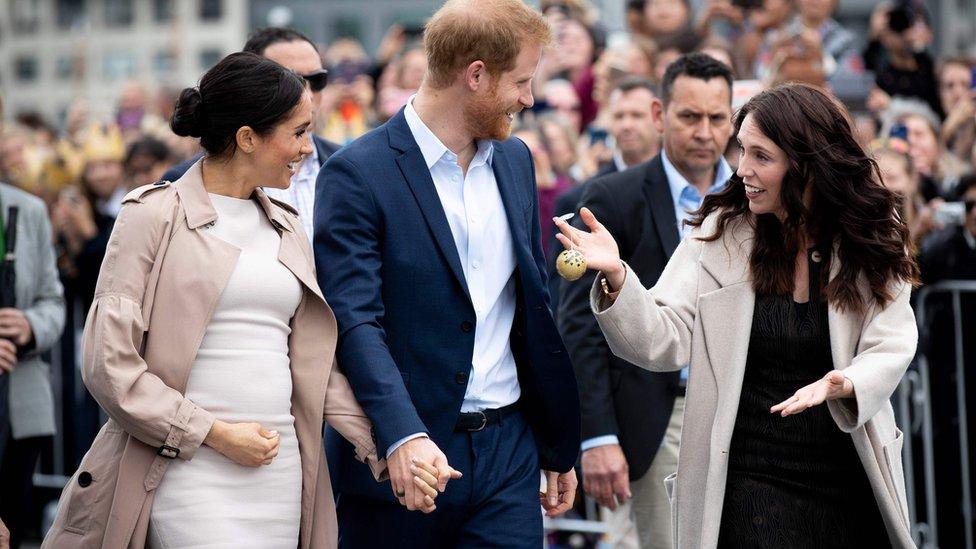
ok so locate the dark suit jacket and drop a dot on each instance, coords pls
(323, 148)
(616, 397)
(388, 266)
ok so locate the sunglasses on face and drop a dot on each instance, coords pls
(317, 80)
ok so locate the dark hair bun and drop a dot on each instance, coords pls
(188, 115)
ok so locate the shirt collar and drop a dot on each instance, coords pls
(618, 161)
(678, 183)
(431, 146)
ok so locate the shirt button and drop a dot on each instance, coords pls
(476, 265)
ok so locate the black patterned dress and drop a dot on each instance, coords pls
(793, 482)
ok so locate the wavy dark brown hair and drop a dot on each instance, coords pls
(849, 206)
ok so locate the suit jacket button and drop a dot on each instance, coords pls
(467, 326)
(84, 479)
(461, 378)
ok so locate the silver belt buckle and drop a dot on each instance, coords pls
(484, 421)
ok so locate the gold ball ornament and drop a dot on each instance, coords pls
(571, 264)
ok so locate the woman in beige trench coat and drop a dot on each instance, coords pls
(172, 289)
(805, 196)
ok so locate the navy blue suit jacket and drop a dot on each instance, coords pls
(388, 266)
(324, 148)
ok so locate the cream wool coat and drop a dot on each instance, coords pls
(164, 307)
(700, 312)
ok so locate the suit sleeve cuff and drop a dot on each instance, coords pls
(605, 440)
(393, 447)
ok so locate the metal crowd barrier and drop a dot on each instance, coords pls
(914, 405)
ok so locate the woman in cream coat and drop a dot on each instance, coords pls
(210, 346)
(804, 197)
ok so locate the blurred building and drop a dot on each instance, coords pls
(53, 51)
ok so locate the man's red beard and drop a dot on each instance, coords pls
(487, 118)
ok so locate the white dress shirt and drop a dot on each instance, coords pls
(301, 193)
(473, 206)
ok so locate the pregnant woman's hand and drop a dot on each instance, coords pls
(246, 444)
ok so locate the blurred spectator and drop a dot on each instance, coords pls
(899, 175)
(633, 59)
(665, 18)
(865, 128)
(146, 160)
(720, 19)
(938, 168)
(574, 9)
(15, 168)
(562, 145)
(901, 67)
(577, 48)
(760, 28)
(956, 85)
(719, 50)
(951, 253)
(635, 139)
(348, 99)
(559, 97)
(29, 327)
(837, 44)
(132, 107)
(670, 48)
(407, 73)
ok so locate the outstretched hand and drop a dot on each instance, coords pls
(832, 386)
(597, 246)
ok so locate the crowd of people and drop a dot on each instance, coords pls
(639, 126)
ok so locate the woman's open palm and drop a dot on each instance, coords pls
(597, 246)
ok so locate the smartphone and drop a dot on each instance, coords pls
(951, 214)
(598, 135)
(898, 131)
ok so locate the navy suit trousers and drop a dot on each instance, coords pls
(495, 503)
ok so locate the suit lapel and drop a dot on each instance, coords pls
(508, 188)
(415, 172)
(662, 205)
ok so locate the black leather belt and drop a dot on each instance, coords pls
(476, 421)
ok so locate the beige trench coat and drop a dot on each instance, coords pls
(164, 307)
(700, 312)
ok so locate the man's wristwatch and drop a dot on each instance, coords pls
(606, 289)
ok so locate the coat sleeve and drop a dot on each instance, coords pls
(343, 413)
(112, 368)
(46, 312)
(653, 328)
(349, 260)
(885, 349)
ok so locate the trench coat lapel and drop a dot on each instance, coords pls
(726, 318)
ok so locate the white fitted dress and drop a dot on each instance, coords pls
(241, 374)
